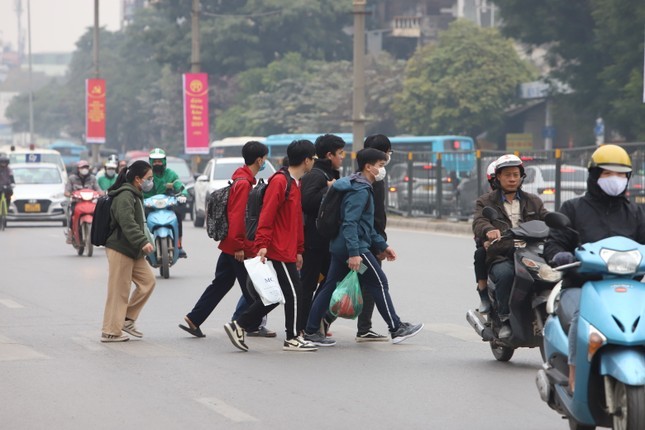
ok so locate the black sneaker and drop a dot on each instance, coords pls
(182, 253)
(484, 304)
(370, 336)
(298, 344)
(405, 330)
(319, 340)
(236, 334)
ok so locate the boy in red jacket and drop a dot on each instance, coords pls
(235, 247)
(280, 238)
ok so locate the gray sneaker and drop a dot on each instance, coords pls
(319, 340)
(131, 329)
(370, 336)
(405, 331)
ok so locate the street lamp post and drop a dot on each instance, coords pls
(95, 61)
(358, 105)
(31, 89)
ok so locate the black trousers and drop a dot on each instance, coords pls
(481, 272)
(228, 269)
(315, 262)
(289, 281)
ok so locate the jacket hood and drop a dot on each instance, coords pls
(594, 190)
(127, 186)
(244, 173)
(355, 181)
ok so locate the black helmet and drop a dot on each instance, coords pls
(4, 160)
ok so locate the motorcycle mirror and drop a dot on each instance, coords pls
(490, 213)
(557, 220)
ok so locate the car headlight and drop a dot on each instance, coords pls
(621, 262)
(58, 196)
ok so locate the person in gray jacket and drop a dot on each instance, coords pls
(126, 248)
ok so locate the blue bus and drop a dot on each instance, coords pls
(458, 152)
(71, 152)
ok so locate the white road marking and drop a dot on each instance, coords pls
(12, 351)
(227, 411)
(10, 304)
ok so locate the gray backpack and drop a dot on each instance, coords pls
(216, 212)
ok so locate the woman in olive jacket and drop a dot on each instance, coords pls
(126, 248)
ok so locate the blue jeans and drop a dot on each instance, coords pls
(373, 280)
(502, 275)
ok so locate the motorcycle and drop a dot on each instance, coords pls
(82, 218)
(532, 284)
(164, 227)
(610, 359)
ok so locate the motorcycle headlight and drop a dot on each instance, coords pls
(161, 203)
(621, 262)
(87, 195)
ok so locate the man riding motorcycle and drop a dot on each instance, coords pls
(109, 178)
(6, 179)
(602, 212)
(514, 207)
(79, 180)
(166, 180)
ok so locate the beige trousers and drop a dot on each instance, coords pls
(123, 271)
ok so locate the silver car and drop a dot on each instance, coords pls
(39, 193)
(540, 180)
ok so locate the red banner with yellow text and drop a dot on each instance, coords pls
(196, 137)
(95, 110)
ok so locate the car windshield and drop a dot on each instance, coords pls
(226, 170)
(38, 175)
(569, 174)
(180, 167)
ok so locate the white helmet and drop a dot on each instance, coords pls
(490, 171)
(509, 160)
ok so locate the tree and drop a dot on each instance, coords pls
(596, 46)
(462, 85)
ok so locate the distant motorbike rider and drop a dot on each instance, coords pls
(514, 207)
(167, 181)
(109, 176)
(7, 180)
(604, 211)
(481, 272)
(79, 180)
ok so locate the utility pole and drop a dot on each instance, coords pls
(195, 60)
(358, 106)
(95, 60)
(31, 89)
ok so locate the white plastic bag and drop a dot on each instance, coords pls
(264, 280)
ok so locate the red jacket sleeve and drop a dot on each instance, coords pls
(273, 198)
(236, 212)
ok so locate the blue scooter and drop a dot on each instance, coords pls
(162, 223)
(610, 355)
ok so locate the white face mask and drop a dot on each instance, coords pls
(84, 172)
(613, 185)
(389, 158)
(381, 174)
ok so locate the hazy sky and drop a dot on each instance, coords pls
(56, 25)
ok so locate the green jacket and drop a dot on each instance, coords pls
(105, 182)
(128, 221)
(168, 177)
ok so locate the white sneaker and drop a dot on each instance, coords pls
(236, 335)
(114, 338)
(299, 344)
(131, 329)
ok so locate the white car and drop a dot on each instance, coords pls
(216, 175)
(38, 155)
(540, 180)
(39, 193)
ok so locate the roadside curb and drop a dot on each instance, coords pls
(429, 224)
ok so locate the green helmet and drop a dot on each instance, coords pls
(157, 154)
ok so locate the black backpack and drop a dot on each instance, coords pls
(329, 219)
(102, 220)
(255, 202)
(216, 212)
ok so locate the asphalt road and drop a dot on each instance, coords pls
(55, 374)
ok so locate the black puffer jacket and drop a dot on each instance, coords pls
(312, 188)
(596, 216)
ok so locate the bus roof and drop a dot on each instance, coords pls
(66, 144)
(235, 141)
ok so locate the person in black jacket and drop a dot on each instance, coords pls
(314, 185)
(604, 211)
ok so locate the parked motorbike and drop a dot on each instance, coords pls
(162, 223)
(532, 284)
(81, 226)
(610, 358)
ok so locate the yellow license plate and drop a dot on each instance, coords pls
(429, 187)
(32, 207)
(640, 199)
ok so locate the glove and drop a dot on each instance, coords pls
(562, 258)
(181, 199)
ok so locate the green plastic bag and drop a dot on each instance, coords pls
(347, 300)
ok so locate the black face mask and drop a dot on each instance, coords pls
(158, 169)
